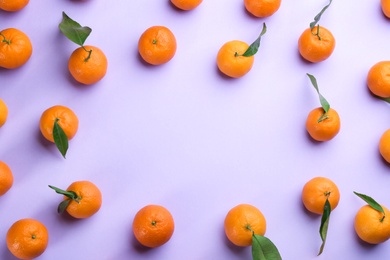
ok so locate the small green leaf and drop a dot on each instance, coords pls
(60, 138)
(324, 224)
(318, 16)
(370, 201)
(384, 99)
(62, 206)
(324, 103)
(254, 47)
(264, 249)
(73, 30)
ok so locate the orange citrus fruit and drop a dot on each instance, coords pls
(317, 44)
(262, 8)
(315, 192)
(15, 48)
(88, 64)
(157, 45)
(230, 60)
(67, 120)
(378, 79)
(240, 223)
(86, 202)
(3, 112)
(371, 225)
(327, 128)
(6, 178)
(153, 226)
(186, 4)
(13, 5)
(384, 145)
(27, 238)
(385, 4)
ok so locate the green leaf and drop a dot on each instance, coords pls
(324, 224)
(384, 99)
(318, 16)
(264, 249)
(254, 47)
(370, 201)
(60, 138)
(70, 194)
(62, 206)
(324, 103)
(73, 30)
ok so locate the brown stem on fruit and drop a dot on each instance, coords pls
(317, 33)
(322, 117)
(327, 193)
(89, 54)
(382, 218)
(154, 41)
(5, 39)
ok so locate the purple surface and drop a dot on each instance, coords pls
(183, 136)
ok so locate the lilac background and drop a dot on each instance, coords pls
(183, 136)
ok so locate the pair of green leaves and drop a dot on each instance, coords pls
(263, 248)
(324, 103)
(64, 204)
(254, 47)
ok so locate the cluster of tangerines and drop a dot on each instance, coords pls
(153, 225)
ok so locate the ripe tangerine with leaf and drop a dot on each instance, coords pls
(6, 178)
(241, 222)
(186, 5)
(13, 5)
(323, 129)
(157, 45)
(235, 58)
(15, 48)
(262, 8)
(82, 199)
(27, 238)
(153, 226)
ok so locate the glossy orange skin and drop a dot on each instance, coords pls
(88, 70)
(369, 225)
(3, 112)
(157, 45)
(90, 199)
(315, 192)
(13, 5)
(68, 121)
(15, 48)
(186, 5)
(384, 145)
(262, 8)
(385, 5)
(325, 130)
(230, 60)
(153, 226)
(314, 49)
(378, 79)
(27, 238)
(240, 221)
(6, 178)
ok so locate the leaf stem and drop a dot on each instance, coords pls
(89, 53)
(317, 33)
(70, 194)
(5, 39)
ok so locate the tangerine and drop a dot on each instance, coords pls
(316, 191)
(323, 126)
(262, 8)
(371, 225)
(384, 145)
(82, 199)
(230, 60)
(88, 64)
(153, 226)
(15, 48)
(64, 116)
(186, 4)
(241, 222)
(385, 5)
(157, 45)
(3, 112)
(317, 44)
(378, 79)
(13, 5)
(27, 238)
(6, 178)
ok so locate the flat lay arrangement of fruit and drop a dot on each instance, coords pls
(194, 129)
